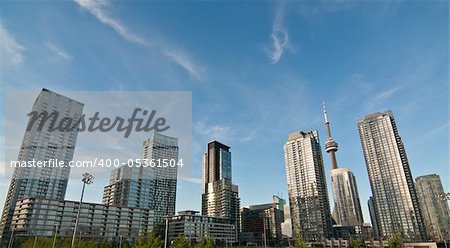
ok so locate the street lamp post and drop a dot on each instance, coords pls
(87, 179)
(54, 238)
(166, 231)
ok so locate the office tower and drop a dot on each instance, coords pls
(129, 186)
(280, 203)
(373, 218)
(151, 187)
(220, 198)
(346, 198)
(433, 203)
(40, 143)
(394, 196)
(262, 223)
(307, 187)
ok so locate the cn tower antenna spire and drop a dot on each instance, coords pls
(325, 113)
(330, 146)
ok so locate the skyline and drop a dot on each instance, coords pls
(242, 96)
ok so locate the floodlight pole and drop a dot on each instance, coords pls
(87, 179)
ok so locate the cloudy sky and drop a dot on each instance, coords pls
(258, 70)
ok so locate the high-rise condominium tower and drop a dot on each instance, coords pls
(147, 187)
(346, 198)
(394, 196)
(220, 198)
(42, 144)
(307, 187)
(373, 218)
(433, 204)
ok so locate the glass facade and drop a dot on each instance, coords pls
(147, 187)
(346, 197)
(307, 187)
(434, 206)
(394, 196)
(220, 198)
(43, 145)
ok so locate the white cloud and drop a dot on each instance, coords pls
(11, 51)
(59, 52)
(182, 60)
(191, 179)
(387, 93)
(212, 132)
(98, 8)
(279, 35)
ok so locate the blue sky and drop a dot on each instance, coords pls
(258, 70)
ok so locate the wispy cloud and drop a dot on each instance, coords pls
(185, 62)
(191, 179)
(98, 8)
(59, 52)
(387, 93)
(279, 35)
(224, 133)
(311, 8)
(212, 132)
(11, 51)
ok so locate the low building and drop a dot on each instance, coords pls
(44, 217)
(194, 226)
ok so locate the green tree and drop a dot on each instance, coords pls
(355, 242)
(151, 241)
(395, 241)
(205, 243)
(180, 242)
(299, 243)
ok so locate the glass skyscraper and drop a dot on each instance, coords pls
(395, 202)
(147, 187)
(307, 187)
(434, 206)
(42, 144)
(220, 198)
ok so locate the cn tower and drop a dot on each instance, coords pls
(330, 146)
(347, 207)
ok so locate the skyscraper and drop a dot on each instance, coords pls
(40, 143)
(373, 218)
(394, 196)
(433, 203)
(346, 198)
(147, 186)
(307, 187)
(220, 198)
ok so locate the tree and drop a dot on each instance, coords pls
(205, 243)
(299, 243)
(180, 242)
(152, 241)
(355, 242)
(395, 241)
